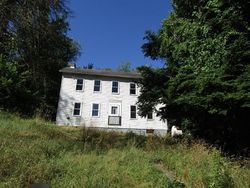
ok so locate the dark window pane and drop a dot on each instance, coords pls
(150, 115)
(133, 108)
(132, 91)
(77, 112)
(97, 85)
(94, 112)
(97, 82)
(77, 105)
(79, 81)
(95, 106)
(115, 84)
(79, 84)
(114, 90)
(96, 88)
(132, 111)
(133, 115)
(78, 87)
(115, 87)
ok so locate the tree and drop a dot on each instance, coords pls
(34, 34)
(205, 84)
(16, 93)
(124, 67)
(89, 66)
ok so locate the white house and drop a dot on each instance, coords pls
(104, 100)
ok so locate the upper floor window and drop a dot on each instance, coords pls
(95, 110)
(132, 112)
(132, 89)
(97, 85)
(115, 87)
(77, 109)
(79, 84)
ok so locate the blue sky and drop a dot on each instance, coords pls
(111, 32)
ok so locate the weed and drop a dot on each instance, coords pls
(35, 151)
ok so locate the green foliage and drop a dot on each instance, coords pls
(16, 93)
(36, 151)
(124, 67)
(89, 66)
(220, 176)
(34, 34)
(206, 46)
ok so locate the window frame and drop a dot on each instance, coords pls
(118, 88)
(100, 86)
(98, 110)
(79, 84)
(80, 109)
(134, 88)
(133, 112)
(116, 110)
(150, 119)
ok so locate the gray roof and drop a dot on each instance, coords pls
(105, 73)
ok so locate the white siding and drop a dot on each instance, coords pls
(69, 95)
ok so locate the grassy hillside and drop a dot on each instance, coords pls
(33, 151)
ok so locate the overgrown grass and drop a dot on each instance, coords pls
(34, 151)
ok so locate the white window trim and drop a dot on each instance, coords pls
(130, 89)
(114, 93)
(80, 114)
(100, 86)
(136, 115)
(83, 81)
(99, 110)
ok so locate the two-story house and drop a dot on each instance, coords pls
(104, 100)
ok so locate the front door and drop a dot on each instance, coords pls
(114, 114)
(114, 109)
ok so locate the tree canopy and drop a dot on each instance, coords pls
(33, 36)
(205, 83)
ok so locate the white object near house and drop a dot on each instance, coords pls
(175, 131)
(104, 100)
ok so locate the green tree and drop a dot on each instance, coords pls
(89, 66)
(16, 93)
(204, 85)
(34, 34)
(124, 67)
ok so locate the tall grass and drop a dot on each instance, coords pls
(34, 151)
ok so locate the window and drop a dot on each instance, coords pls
(132, 89)
(95, 110)
(97, 85)
(132, 112)
(114, 110)
(79, 84)
(115, 87)
(150, 115)
(77, 109)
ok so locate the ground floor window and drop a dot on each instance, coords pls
(95, 110)
(150, 115)
(77, 109)
(132, 112)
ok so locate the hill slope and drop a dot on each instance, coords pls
(33, 151)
